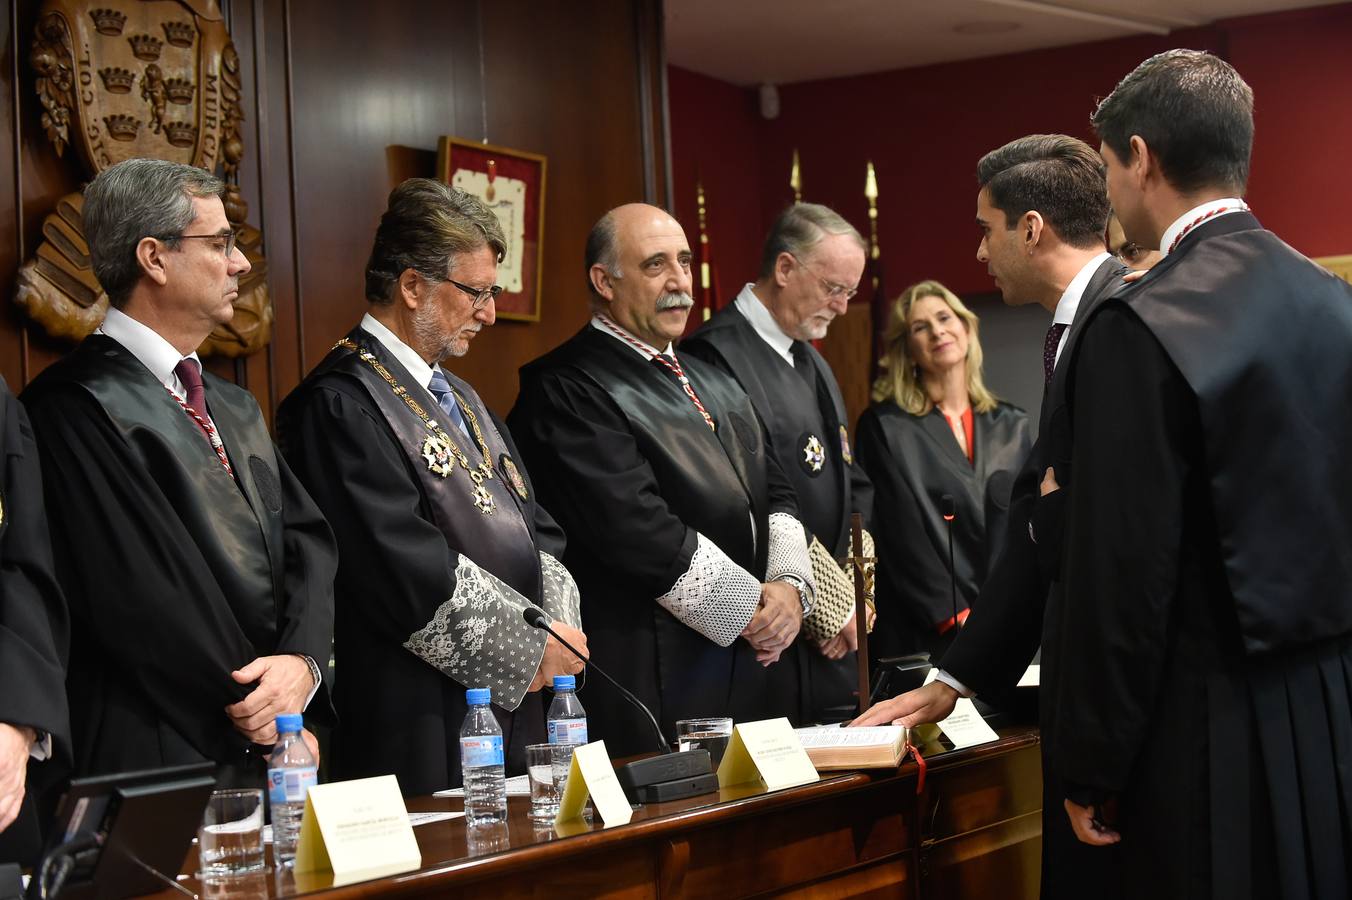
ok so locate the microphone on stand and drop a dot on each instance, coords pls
(949, 508)
(536, 618)
(667, 776)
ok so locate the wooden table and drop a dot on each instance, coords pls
(974, 831)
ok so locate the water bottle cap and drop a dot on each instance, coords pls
(564, 682)
(288, 722)
(478, 696)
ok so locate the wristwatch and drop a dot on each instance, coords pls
(800, 586)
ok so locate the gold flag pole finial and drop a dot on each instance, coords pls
(871, 192)
(796, 179)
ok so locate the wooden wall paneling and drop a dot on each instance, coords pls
(847, 348)
(564, 87)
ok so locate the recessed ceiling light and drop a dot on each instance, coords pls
(986, 26)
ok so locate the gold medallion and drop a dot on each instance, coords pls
(845, 453)
(814, 454)
(513, 475)
(483, 500)
(437, 453)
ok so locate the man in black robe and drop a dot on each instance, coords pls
(443, 544)
(683, 533)
(810, 268)
(198, 572)
(1205, 687)
(34, 722)
(1042, 209)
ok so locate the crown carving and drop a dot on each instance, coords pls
(117, 80)
(108, 21)
(146, 46)
(122, 127)
(181, 134)
(178, 90)
(180, 34)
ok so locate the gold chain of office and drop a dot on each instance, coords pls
(439, 450)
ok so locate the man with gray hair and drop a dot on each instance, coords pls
(810, 268)
(198, 571)
(443, 543)
(683, 533)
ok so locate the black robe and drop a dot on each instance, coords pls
(1201, 659)
(794, 409)
(34, 628)
(632, 472)
(400, 532)
(913, 462)
(1003, 633)
(176, 573)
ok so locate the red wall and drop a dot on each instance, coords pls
(925, 128)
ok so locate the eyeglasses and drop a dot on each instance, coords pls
(833, 290)
(229, 239)
(481, 297)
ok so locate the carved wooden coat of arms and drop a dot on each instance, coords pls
(131, 78)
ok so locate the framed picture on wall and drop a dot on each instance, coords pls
(512, 184)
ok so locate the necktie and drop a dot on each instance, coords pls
(191, 376)
(802, 363)
(196, 407)
(441, 389)
(1049, 349)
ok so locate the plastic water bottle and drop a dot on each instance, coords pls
(567, 718)
(291, 772)
(481, 762)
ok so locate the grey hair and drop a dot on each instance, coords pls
(136, 199)
(800, 228)
(426, 225)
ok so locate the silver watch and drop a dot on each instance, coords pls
(800, 586)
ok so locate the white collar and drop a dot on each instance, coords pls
(641, 347)
(763, 321)
(408, 357)
(148, 346)
(1211, 208)
(1070, 298)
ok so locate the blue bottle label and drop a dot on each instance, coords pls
(290, 785)
(568, 731)
(481, 750)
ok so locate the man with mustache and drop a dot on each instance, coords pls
(810, 268)
(682, 530)
(443, 543)
(198, 571)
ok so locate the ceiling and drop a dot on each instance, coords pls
(749, 42)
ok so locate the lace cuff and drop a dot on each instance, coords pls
(835, 592)
(715, 596)
(559, 595)
(788, 553)
(479, 639)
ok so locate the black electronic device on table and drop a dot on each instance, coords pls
(123, 835)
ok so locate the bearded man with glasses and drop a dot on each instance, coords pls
(810, 268)
(443, 543)
(197, 569)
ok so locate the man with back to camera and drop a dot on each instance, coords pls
(810, 268)
(443, 543)
(683, 533)
(1042, 207)
(198, 571)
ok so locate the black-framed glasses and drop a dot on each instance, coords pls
(833, 290)
(481, 296)
(229, 239)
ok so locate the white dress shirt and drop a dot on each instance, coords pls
(408, 358)
(150, 348)
(758, 314)
(1069, 303)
